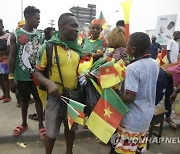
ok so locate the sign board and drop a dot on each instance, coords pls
(165, 28)
(84, 15)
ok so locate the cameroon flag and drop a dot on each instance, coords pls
(162, 57)
(108, 75)
(75, 113)
(102, 19)
(106, 115)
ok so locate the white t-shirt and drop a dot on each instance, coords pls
(173, 48)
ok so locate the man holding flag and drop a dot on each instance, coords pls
(68, 51)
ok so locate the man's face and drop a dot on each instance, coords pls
(70, 28)
(153, 39)
(95, 30)
(34, 20)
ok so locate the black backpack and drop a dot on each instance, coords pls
(47, 71)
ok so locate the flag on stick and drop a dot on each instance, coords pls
(73, 116)
(106, 115)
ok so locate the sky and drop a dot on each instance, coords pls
(143, 15)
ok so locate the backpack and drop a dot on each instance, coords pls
(47, 71)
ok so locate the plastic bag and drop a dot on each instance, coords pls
(92, 97)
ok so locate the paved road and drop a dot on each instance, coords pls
(85, 143)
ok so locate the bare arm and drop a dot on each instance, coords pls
(174, 94)
(160, 48)
(51, 86)
(168, 56)
(127, 97)
(12, 55)
(94, 55)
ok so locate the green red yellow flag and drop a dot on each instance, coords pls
(162, 57)
(105, 26)
(77, 116)
(108, 75)
(106, 115)
(102, 19)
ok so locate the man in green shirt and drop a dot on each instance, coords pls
(24, 46)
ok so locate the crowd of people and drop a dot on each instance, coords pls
(30, 61)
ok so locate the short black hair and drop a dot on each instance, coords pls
(63, 17)
(120, 23)
(30, 10)
(47, 32)
(140, 41)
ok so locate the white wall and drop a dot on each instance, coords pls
(144, 13)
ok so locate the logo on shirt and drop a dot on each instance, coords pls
(28, 53)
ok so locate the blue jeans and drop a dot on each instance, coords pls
(164, 87)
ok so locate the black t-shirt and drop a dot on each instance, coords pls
(153, 50)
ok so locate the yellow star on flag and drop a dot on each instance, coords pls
(107, 112)
(107, 70)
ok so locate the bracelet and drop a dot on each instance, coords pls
(11, 77)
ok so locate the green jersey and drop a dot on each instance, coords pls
(94, 46)
(27, 46)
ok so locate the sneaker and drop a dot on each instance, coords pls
(85, 128)
(33, 116)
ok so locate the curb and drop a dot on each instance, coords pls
(36, 137)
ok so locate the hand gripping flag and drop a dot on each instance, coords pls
(106, 115)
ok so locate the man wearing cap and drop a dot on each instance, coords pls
(95, 45)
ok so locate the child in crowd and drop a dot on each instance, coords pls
(4, 69)
(139, 93)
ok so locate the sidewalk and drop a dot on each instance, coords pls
(10, 117)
